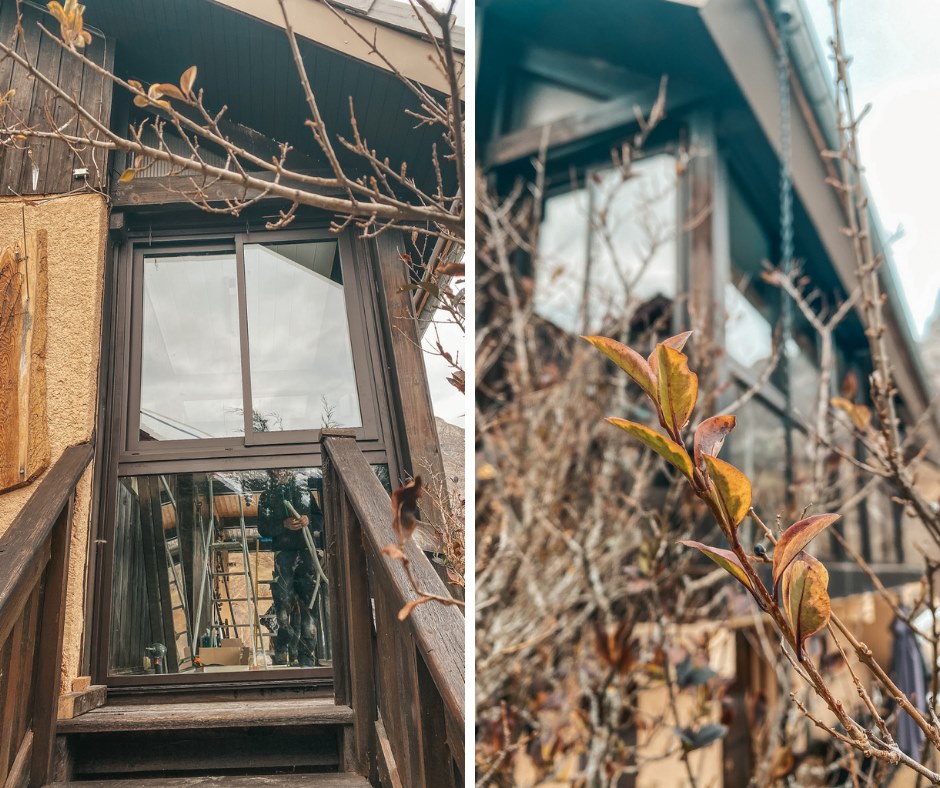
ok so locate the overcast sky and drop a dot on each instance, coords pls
(896, 68)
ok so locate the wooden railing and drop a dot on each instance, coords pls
(403, 679)
(34, 565)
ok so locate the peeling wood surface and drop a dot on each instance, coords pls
(24, 298)
(199, 716)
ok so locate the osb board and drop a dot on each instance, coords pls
(24, 298)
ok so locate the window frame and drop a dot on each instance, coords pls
(300, 448)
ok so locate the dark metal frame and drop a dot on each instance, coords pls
(123, 456)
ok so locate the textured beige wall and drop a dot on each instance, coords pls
(77, 229)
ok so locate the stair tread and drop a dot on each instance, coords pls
(319, 780)
(217, 714)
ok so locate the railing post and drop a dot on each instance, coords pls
(353, 598)
(48, 662)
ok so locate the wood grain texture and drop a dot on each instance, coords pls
(229, 781)
(74, 704)
(24, 300)
(200, 716)
(25, 547)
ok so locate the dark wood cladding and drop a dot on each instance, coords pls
(47, 166)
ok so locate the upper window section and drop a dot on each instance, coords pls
(239, 344)
(191, 385)
(609, 247)
(302, 375)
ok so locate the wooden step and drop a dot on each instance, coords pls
(316, 780)
(204, 716)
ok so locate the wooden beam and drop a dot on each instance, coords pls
(617, 114)
(24, 300)
(75, 703)
(170, 189)
(409, 378)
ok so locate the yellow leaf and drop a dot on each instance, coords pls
(678, 387)
(629, 361)
(141, 101)
(860, 415)
(128, 175)
(661, 444)
(188, 80)
(806, 602)
(795, 539)
(676, 343)
(165, 89)
(732, 488)
(724, 558)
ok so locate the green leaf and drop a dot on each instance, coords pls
(731, 486)
(696, 739)
(710, 436)
(806, 602)
(678, 387)
(629, 361)
(795, 539)
(661, 444)
(725, 559)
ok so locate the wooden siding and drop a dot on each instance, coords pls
(47, 166)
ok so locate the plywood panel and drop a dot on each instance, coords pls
(24, 428)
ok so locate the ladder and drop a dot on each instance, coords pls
(177, 585)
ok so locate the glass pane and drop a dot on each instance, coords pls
(758, 448)
(214, 572)
(190, 383)
(302, 374)
(609, 248)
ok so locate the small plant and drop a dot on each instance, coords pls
(797, 600)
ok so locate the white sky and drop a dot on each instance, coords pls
(448, 403)
(896, 68)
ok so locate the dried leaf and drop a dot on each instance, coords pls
(406, 610)
(782, 764)
(128, 175)
(732, 487)
(160, 89)
(724, 558)
(664, 446)
(405, 509)
(806, 602)
(451, 269)
(630, 362)
(860, 414)
(678, 387)
(676, 343)
(187, 80)
(795, 539)
(710, 436)
(141, 101)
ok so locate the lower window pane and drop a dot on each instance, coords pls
(216, 572)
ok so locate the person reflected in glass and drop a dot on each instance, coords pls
(283, 518)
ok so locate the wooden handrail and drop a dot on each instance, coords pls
(422, 655)
(34, 553)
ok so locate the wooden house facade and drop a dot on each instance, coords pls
(202, 381)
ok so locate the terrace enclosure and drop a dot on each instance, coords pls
(177, 385)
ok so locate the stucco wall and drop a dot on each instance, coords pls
(77, 229)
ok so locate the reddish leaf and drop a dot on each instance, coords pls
(661, 444)
(451, 269)
(725, 559)
(677, 385)
(676, 343)
(733, 489)
(795, 539)
(710, 436)
(629, 361)
(405, 509)
(806, 598)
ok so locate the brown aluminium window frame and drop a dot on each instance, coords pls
(368, 404)
(376, 438)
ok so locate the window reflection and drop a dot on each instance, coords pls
(608, 247)
(190, 363)
(758, 448)
(300, 355)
